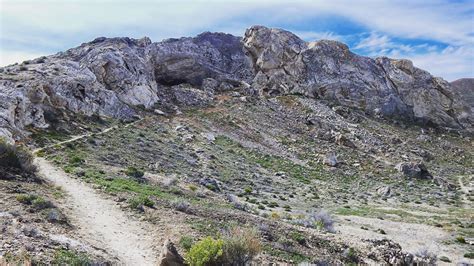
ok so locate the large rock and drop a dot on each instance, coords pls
(169, 255)
(413, 170)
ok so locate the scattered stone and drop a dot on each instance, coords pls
(159, 112)
(55, 216)
(209, 136)
(384, 191)
(331, 160)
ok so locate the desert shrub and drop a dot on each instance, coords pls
(350, 255)
(207, 251)
(26, 198)
(298, 237)
(461, 240)
(444, 259)
(248, 190)
(36, 201)
(192, 187)
(320, 220)
(241, 245)
(16, 157)
(76, 160)
(140, 201)
(67, 257)
(469, 255)
(426, 256)
(186, 242)
(134, 172)
(40, 203)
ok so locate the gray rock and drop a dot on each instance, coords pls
(284, 64)
(169, 255)
(55, 216)
(413, 170)
(331, 160)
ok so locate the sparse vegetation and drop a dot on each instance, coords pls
(134, 172)
(241, 245)
(320, 220)
(139, 201)
(461, 240)
(16, 157)
(67, 257)
(186, 242)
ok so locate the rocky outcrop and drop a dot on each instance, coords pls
(285, 64)
(112, 76)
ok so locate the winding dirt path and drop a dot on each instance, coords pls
(100, 221)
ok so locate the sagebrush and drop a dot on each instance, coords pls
(14, 156)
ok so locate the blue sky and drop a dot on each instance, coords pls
(437, 35)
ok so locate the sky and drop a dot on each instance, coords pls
(437, 35)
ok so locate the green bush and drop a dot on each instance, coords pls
(40, 203)
(25, 198)
(461, 239)
(67, 257)
(207, 251)
(186, 242)
(248, 190)
(16, 157)
(37, 201)
(141, 201)
(76, 160)
(444, 259)
(469, 255)
(134, 172)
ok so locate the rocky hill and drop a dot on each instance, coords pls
(320, 155)
(112, 77)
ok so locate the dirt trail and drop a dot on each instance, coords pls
(100, 221)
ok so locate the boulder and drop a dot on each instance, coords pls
(169, 255)
(413, 170)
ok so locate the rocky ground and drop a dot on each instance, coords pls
(276, 162)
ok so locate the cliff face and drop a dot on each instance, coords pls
(328, 70)
(111, 76)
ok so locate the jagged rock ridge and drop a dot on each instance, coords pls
(111, 76)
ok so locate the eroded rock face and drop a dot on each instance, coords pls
(285, 64)
(110, 77)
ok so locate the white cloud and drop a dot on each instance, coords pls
(451, 63)
(11, 57)
(314, 35)
(47, 26)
